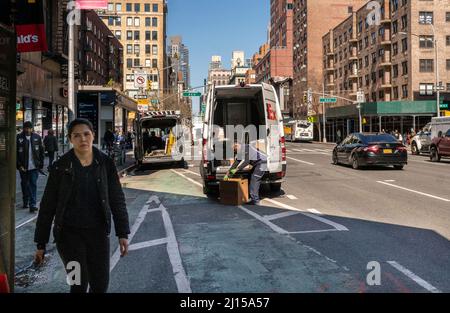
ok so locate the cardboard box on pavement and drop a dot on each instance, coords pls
(234, 191)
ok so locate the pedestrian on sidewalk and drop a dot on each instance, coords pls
(30, 160)
(51, 146)
(83, 192)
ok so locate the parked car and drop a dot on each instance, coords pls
(440, 147)
(421, 142)
(363, 149)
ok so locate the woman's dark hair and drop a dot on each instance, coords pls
(76, 122)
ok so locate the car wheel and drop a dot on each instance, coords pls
(275, 187)
(414, 149)
(398, 167)
(211, 192)
(355, 162)
(335, 158)
(434, 155)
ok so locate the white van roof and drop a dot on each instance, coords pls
(227, 91)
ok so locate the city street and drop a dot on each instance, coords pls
(318, 235)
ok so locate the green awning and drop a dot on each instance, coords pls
(392, 108)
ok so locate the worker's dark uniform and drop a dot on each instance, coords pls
(258, 160)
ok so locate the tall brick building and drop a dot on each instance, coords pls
(312, 19)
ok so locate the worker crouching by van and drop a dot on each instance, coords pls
(250, 154)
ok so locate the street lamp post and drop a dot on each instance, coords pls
(436, 62)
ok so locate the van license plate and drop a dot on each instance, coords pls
(387, 151)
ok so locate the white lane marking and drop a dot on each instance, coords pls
(313, 231)
(191, 172)
(315, 211)
(137, 223)
(414, 277)
(185, 177)
(153, 199)
(280, 215)
(26, 222)
(147, 244)
(300, 161)
(427, 162)
(191, 165)
(313, 216)
(181, 279)
(309, 151)
(292, 197)
(274, 227)
(390, 181)
(414, 191)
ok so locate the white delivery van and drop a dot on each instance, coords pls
(242, 105)
(167, 143)
(300, 130)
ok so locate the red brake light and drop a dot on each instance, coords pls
(374, 149)
(283, 148)
(211, 177)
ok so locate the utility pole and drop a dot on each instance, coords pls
(323, 115)
(438, 85)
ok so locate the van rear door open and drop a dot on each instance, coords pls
(274, 129)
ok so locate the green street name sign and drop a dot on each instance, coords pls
(155, 101)
(328, 100)
(444, 106)
(192, 94)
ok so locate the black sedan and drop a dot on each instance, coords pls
(364, 149)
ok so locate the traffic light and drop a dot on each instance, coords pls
(305, 97)
(149, 85)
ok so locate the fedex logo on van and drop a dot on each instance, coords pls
(271, 114)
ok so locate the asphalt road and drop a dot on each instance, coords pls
(327, 231)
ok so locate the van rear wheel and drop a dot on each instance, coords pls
(211, 192)
(275, 187)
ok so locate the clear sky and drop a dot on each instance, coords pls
(217, 27)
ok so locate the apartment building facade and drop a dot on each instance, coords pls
(392, 62)
(313, 19)
(140, 25)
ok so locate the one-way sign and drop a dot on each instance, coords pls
(140, 96)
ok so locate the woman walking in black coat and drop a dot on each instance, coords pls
(83, 192)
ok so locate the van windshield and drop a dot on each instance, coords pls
(304, 125)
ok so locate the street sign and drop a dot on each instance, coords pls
(140, 80)
(192, 94)
(444, 106)
(360, 97)
(328, 100)
(142, 107)
(140, 96)
(155, 101)
(312, 119)
(143, 101)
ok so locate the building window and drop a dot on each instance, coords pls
(425, 17)
(129, 35)
(129, 7)
(137, 35)
(405, 91)
(137, 62)
(426, 65)
(404, 21)
(147, 22)
(119, 7)
(110, 20)
(155, 7)
(405, 68)
(147, 7)
(148, 63)
(426, 89)
(154, 49)
(155, 22)
(129, 63)
(448, 86)
(155, 63)
(118, 21)
(426, 41)
(395, 71)
(129, 21)
(129, 49)
(137, 7)
(395, 89)
(381, 94)
(404, 44)
(118, 34)
(447, 40)
(154, 35)
(137, 49)
(147, 49)
(137, 21)
(110, 6)
(395, 49)
(448, 64)
(395, 27)
(147, 34)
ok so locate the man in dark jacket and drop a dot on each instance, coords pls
(51, 146)
(30, 160)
